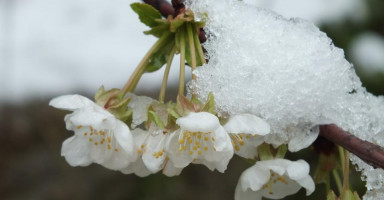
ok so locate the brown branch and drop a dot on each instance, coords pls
(167, 9)
(162, 6)
(369, 152)
(179, 7)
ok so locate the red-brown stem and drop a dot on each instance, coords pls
(167, 9)
(369, 152)
(162, 6)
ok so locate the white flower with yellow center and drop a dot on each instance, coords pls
(274, 179)
(152, 156)
(201, 139)
(99, 136)
(246, 132)
(138, 167)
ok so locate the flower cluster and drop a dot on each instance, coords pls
(170, 143)
(140, 135)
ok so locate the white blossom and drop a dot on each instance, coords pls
(152, 156)
(138, 167)
(99, 137)
(201, 140)
(139, 106)
(246, 132)
(274, 179)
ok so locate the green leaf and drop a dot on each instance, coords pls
(210, 104)
(173, 113)
(147, 14)
(158, 30)
(152, 116)
(331, 196)
(183, 105)
(160, 57)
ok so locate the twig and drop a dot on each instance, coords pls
(179, 7)
(162, 6)
(167, 9)
(369, 152)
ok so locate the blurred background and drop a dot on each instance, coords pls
(55, 47)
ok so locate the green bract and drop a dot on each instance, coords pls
(147, 14)
(114, 102)
(181, 28)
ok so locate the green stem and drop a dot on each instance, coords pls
(136, 75)
(193, 54)
(198, 46)
(264, 151)
(192, 48)
(281, 151)
(328, 183)
(337, 180)
(182, 62)
(341, 155)
(346, 171)
(165, 77)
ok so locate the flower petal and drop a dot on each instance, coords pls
(281, 189)
(247, 123)
(91, 118)
(247, 148)
(139, 105)
(154, 153)
(124, 139)
(170, 170)
(301, 141)
(247, 151)
(76, 151)
(70, 102)
(247, 195)
(276, 165)
(254, 178)
(137, 168)
(179, 158)
(117, 160)
(201, 121)
(222, 140)
(307, 183)
(297, 169)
